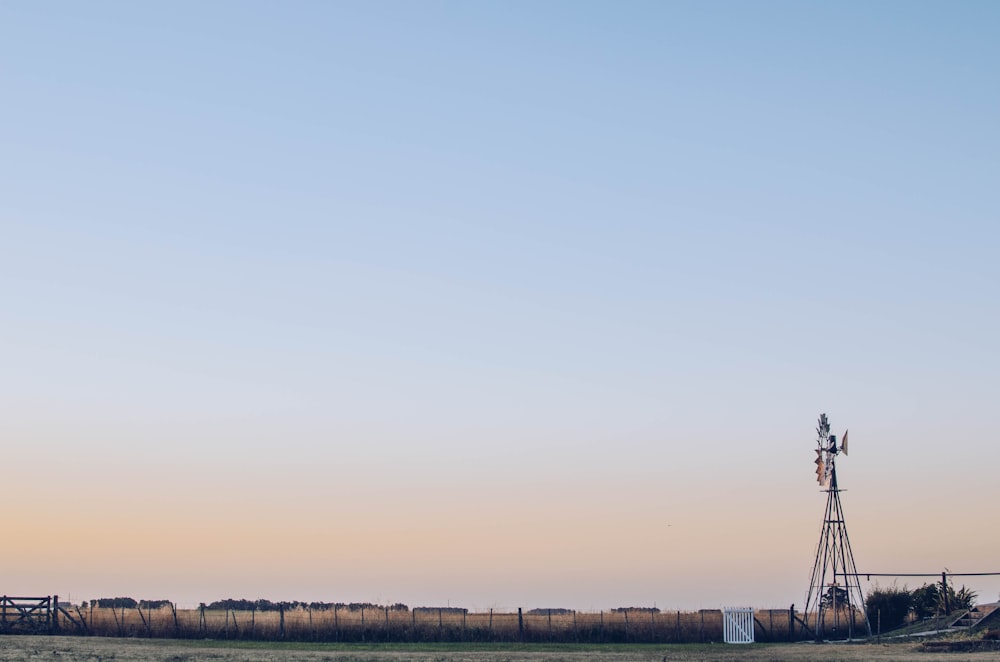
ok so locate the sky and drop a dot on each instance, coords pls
(494, 305)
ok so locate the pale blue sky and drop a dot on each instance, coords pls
(608, 249)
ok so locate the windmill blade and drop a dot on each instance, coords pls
(843, 444)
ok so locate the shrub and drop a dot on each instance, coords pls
(888, 605)
(928, 600)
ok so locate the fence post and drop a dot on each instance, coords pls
(362, 622)
(86, 627)
(944, 592)
(54, 606)
(791, 622)
(281, 620)
(117, 622)
(491, 623)
(520, 625)
(142, 618)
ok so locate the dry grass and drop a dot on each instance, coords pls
(387, 625)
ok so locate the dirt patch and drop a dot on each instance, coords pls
(960, 646)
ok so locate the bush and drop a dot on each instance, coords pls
(888, 605)
(928, 600)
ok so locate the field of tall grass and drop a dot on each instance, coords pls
(375, 624)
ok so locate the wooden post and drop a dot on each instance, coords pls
(173, 610)
(791, 622)
(440, 625)
(652, 625)
(678, 630)
(142, 618)
(54, 606)
(520, 625)
(253, 619)
(362, 622)
(549, 613)
(626, 625)
(944, 592)
(602, 626)
(117, 623)
(281, 620)
(387, 623)
(491, 623)
(701, 634)
(464, 617)
(312, 631)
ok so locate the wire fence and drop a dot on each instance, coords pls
(376, 624)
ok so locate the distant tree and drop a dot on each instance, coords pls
(641, 610)
(835, 596)
(117, 603)
(888, 605)
(153, 604)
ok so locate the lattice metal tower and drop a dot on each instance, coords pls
(835, 590)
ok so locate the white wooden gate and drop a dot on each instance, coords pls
(737, 625)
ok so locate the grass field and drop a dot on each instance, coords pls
(98, 649)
